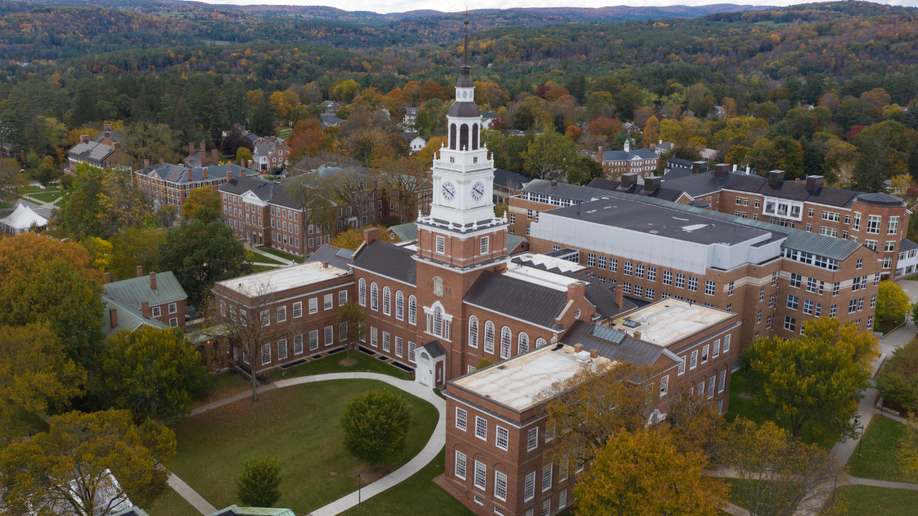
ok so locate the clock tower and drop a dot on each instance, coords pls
(461, 232)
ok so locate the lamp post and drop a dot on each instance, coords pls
(861, 438)
(358, 489)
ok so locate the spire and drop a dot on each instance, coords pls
(465, 58)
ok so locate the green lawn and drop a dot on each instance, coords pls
(285, 256)
(262, 268)
(45, 197)
(878, 458)
(877, 501)
(883, 326)
(330, 364)
(283, 132)
(260, 258)
(417, 495)
(740, 407)
(299, 425)
(224, 385)
(171, 504)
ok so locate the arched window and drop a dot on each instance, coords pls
(505, 338)
(473, 331)
(540, 342)
(522, 343)
(362, 292)
(374, 296)
(464, 137)
(412, 310)
(386, 301)
(438, 322)
(474, 136)
(399, 305)
(452, 136)
(489, 337)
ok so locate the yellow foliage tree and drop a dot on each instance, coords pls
(353, 237)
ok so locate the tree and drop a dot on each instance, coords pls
(550, 154)
(593, 404)
(892, 302)
(898, 380)
(695, 423)
(151, 372)
(883, 150)
(71, 469)
(203, 204)
(200, 254)
(908, 446)
(777, 473)
(151, 141)
(100, 203)
(643, 473)
(815, 380)
(35, 375)
(243, 155)
(375, 425)
(10, 180)
(403, 182)
(46, 172)
(351, 316)
(133, 247)
(259, 485)
(353, 237)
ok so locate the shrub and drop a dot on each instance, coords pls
(898, 380)
(260, 482)
(375, 426)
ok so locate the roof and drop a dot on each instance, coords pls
(669, 321)
(268, 191)
(22, 218)
(94, 149)
(464, 109)
(434, 349)
(563, 190)
(695, 185)
(907, 245)
(604, 184)
(529, 301)
(405, 232)
(518, 383)
(331, 255)
(281, 279)
(182, 174)
(388, 260)
(513, 242)
(129, 318)
(879, 199)
(135, 291)
(509, 179)
(613, 344)
(233, 510)
(621, 155)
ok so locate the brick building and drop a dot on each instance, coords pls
(270, 153)
(198, 157)
(153, 300)
(165, 183)
(615, 163)
(105, 150)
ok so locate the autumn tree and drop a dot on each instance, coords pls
(403, 182)
(898, 380)
(35, 376)
(152, 372)
(375, 425)
(356, 188)
(816, 380)
(133, 247)
(652, 130)
(695, 423)
(200, 254)
(309, 139)
(73, 467)
(892, 302)
(152, 141)
(549, 155)
(352, 238)
(350, 319)
(100, 203)
(203, 204)
(777, 474)
(908, 446)
(644, 473)
(10, 180)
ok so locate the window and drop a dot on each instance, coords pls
(716, 349)
(792, 302)
(711, 385)
(489, 337)
(173, 322)
(836, 287)
(682, 366)
(873, 301)
(562, 499)
(721, 385)
(461, 419)
(398, 346)
(342, 297)
(727, 343)
(795, 280)
(887, 262)
(460, 465)
(313, 340)
(628, 268)
(546, 507)
(893, 226)
(680, 280)
(638, 271)
(709, 288)
(500, 486)
(591, 259)
(529, 487)
(173, 308)
(807, 307)
(522, 343)
(157, 311)
(774, 279)
(412, 310)
(888, 247)
(503, 438)
(412, 347)
(664, 385)
(693, 284)
(282, 349)
(386, 301)
(266, 317)
(313, 305)
(481, 475)
(790, 324)
(704, 354)
(667, 277)
(694, 360)
(342, 331)
(505, 338)
(613, 265)
(873, 223)
(329, 335)
(602, 262)
(374, 297)
(871, 244)
(399, 305)
(298, 344)
(484, 245)
(265, 355)
(281, 314)
(532, 439)
(362, 292)
(651, 274)
(386, 345)
(473, 331)
(374, 337)
(546, 477)
(481, 428)
(441, 244)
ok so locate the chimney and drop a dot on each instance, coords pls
(162, 160)
(139, 271)
(153, 280)
(699, 167)
(619, 296)
(775, 177)
(813, 183)
(203, 148)
(190, 149)
(594, 353)
(578, 347)
(116, 146)
(554, 184)
(84, 138)
(213, 153)
(106, 127)
(636, 335)
(575, 291)
(628, 179)
(652, 183)
(146, 163)
(252, 164)
(599, 157)
(113, 316)
(242, 172)
(721, 170)
(229, 176)
(370, 235)
(734, 168)
(204, 173)
(324, 265)
(145, 310)
(108, 278)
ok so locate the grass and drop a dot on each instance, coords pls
(284, 132)
(262, 268)
(46, 197)
(298, 425)
(169, 503)
(295, 259)
(878, 459)
(740, 407)
(883, 326)
(330, 365)
(417, 495)
(734, 497)
(878, 501)
(260, 258)
(224, 385)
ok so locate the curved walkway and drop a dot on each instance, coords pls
(431, 449)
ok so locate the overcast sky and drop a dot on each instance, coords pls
(389, 6)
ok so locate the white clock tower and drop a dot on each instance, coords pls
(463, 181)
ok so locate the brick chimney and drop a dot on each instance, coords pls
(145, 310)
(108, 278)
(84, 138)
(594, 353)
(575, 291)
(628, 180)
(162, 160)
(721, 170)
(146, 163)
(203, 148)
(324, 265)
(204, 172)
(139, 271)
(241, 172)
(775, 177)
(153, 280)
(229, 176)
(699, 167)
(370, 235)
(213, 154)
(578, 347)
(113, 316)
(619, 296)
(652, 183)
(599, 154)
(636, 335)
(190, 149)
(252, 164)
(813, 183)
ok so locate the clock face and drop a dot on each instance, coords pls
(478, 191)
(449, 191)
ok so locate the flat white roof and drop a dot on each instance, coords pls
(669, 320)
(518, 382)
(541, 277)
(285, 278)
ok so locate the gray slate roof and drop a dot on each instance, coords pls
(330, 254)
(388, 260)
(509, 178)
(907, 245)
(879, 199)
(268, 191)
(614, 345)
(564, 190)
(94, 149)
(182, 174)
(405, 232)
(620, 155)
(517, 298)
(514, 241)
(434, 349)
(135, 291)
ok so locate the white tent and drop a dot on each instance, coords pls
(21, 220)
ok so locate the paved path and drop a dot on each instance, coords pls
(431, 449)
(271, 256)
